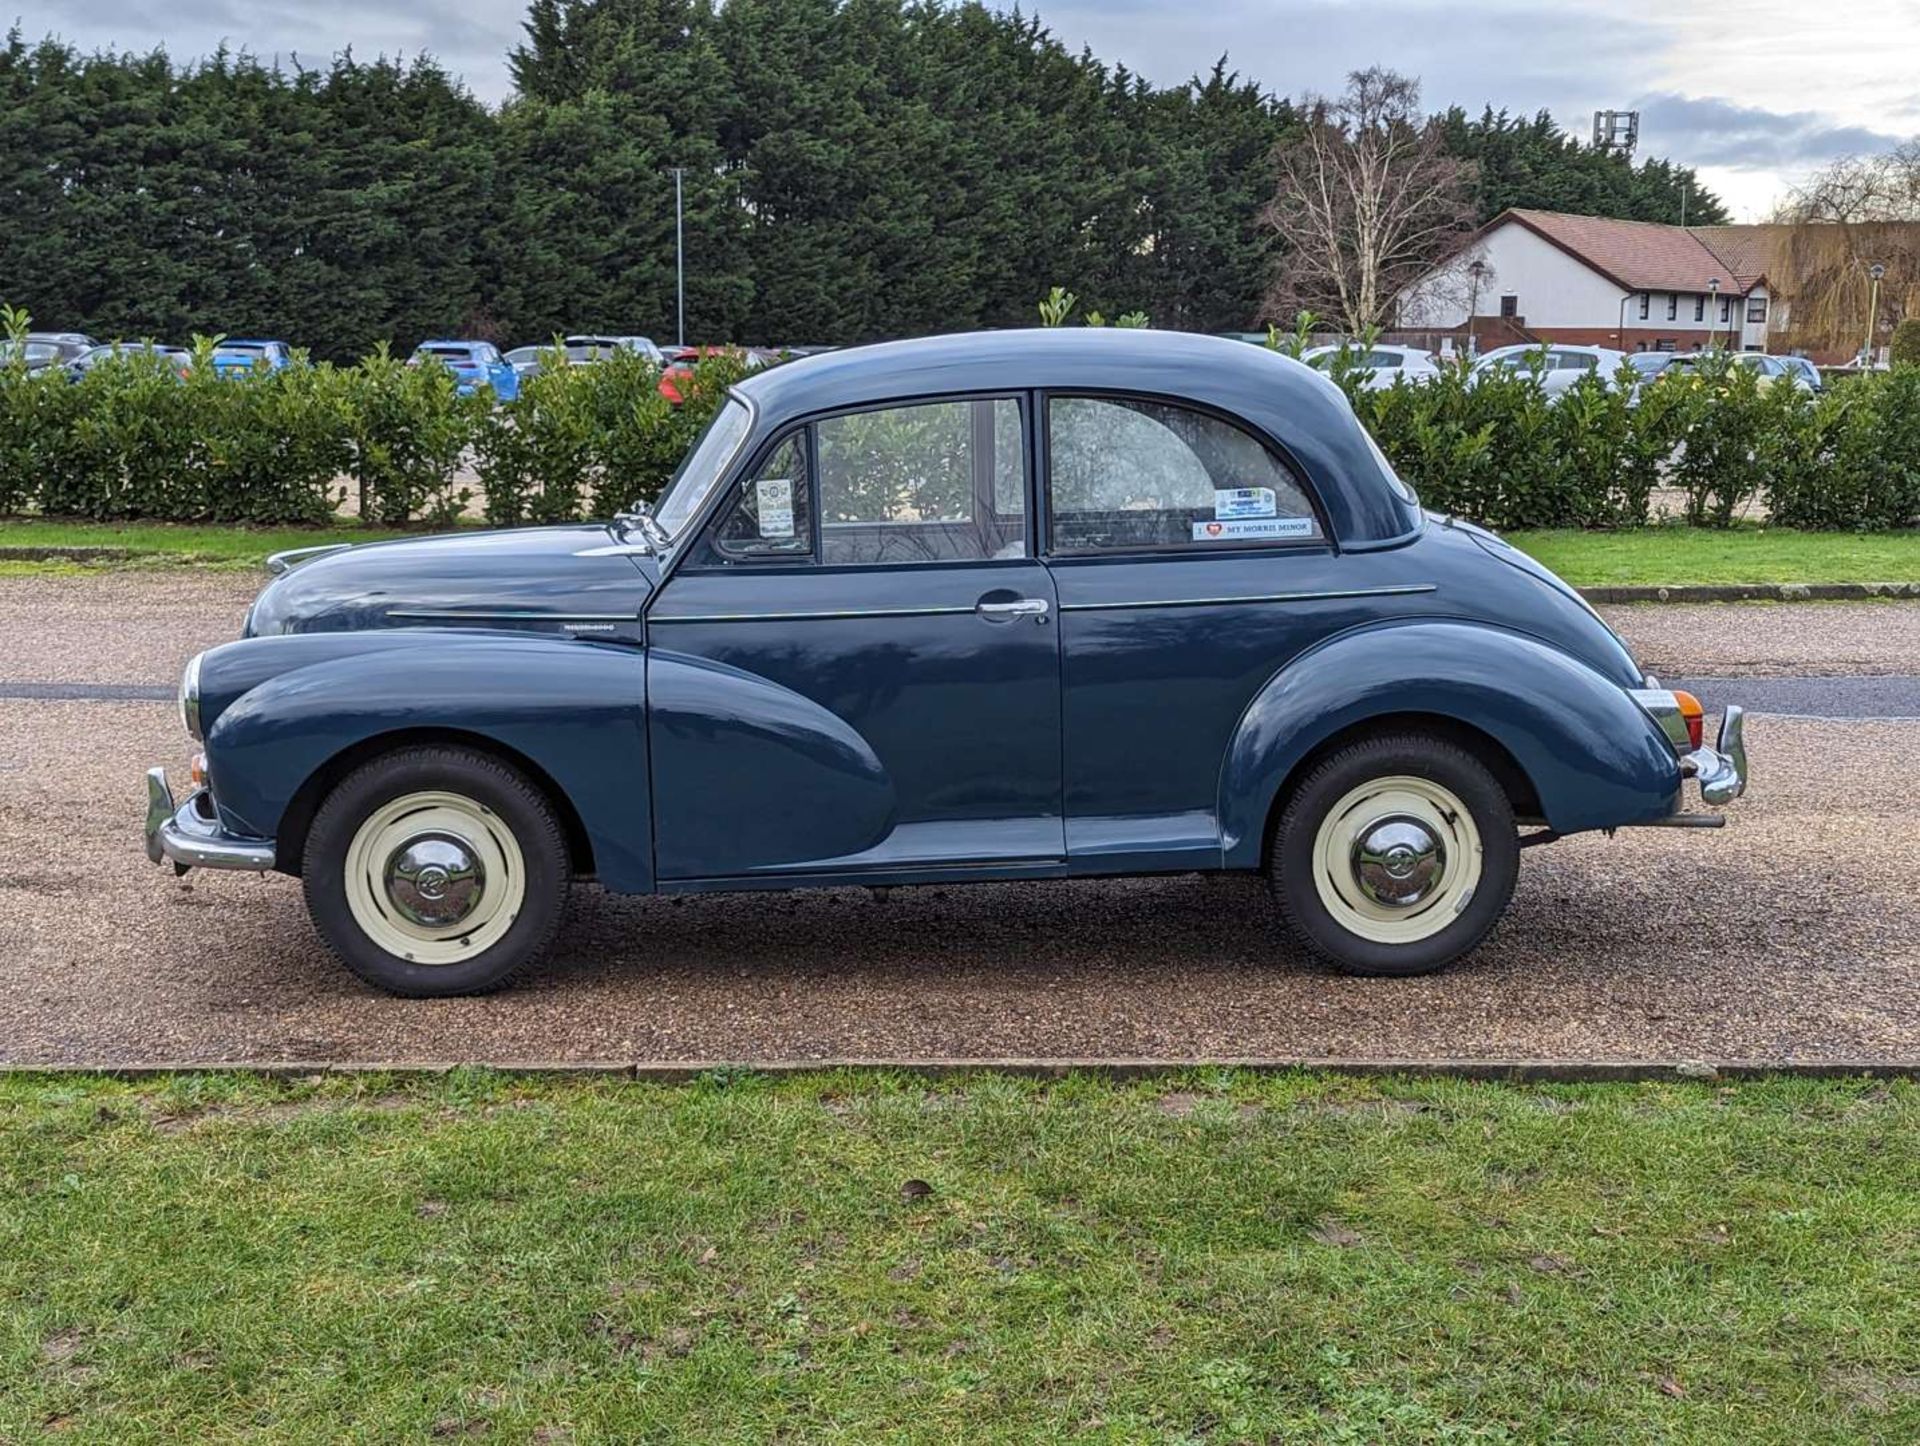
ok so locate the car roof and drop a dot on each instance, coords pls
(1291, 402)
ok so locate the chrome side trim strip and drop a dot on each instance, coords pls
(618, 549)
(1399, 590)
(527, 615)
(657, 620)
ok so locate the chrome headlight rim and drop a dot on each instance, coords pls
(190, 699)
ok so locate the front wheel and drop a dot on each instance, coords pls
(436, 871)
(1395, 855)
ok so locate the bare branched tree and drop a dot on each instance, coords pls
(1858, 212)
(1368, 200)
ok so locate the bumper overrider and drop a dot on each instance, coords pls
(1720, 770)
(189, 836)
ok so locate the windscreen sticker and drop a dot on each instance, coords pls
(1233, 502)
(1230, 529)
(773, 502)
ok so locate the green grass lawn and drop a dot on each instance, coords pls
(170, 543)
(1218, 1258)
(1667, 555)
(1585, 559)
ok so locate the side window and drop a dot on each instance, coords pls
(939, 482)
(768, 520)
(1384, 360)
(1130, 474)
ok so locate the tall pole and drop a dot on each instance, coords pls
(1876, 271)
(679, 259)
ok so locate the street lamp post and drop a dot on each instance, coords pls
(1476, 272)
(1876, 271)
(679, 261)
(1713, 316)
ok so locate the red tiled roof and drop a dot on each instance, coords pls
(1637, 255)
(1747, 250)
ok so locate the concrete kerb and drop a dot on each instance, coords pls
(1755, 592)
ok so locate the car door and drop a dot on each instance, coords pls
(855, 670)
(1191, 563)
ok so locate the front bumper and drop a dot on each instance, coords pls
(189, 835)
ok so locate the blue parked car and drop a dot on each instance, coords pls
(241, 356)
(1015, 605)
(474, 364)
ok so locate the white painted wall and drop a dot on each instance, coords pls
(1551, 288)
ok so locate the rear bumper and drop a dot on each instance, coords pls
(189, 835)
(1721, 771)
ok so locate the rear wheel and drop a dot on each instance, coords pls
(436, 871)
(1395, 855)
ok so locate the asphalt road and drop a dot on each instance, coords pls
(1793, 933)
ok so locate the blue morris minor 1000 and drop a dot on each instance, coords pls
(1011, 605)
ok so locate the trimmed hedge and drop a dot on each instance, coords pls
(1497, 449)
(132, 440)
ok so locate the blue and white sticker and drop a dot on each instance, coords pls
(1233, 502)
(774, 506)
(1237, 529)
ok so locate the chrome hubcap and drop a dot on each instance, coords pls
(434, 880)
(1398, 861)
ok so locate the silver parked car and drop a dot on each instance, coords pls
(1558, 367)
(1384, 365)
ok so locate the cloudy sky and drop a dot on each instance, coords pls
(1753, 93)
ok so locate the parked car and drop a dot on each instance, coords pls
(592, 343)
(677, 361)
(1384, 365)
(474, 364)
(178, 358)
(240, 356)
(525, 360)
(1651, 364)
(55, 348)
(1009, 605)
(34, 355)
(1558, 367)
(1804, 372)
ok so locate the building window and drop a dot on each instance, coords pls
(1509, 305)
(1756, 308)
(1726, 310)
(1646, 304)
(1673, 306)
(1699, 308)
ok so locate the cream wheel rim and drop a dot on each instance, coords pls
(434, 878)
(1397, 859)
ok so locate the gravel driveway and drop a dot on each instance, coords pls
(1793, 933)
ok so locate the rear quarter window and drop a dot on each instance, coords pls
(1127, 474)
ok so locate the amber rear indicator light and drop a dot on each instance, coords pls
(1691, 710)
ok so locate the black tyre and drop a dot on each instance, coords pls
(436, 871)
(1394, 855)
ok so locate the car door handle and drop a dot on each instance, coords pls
(1025, 607)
